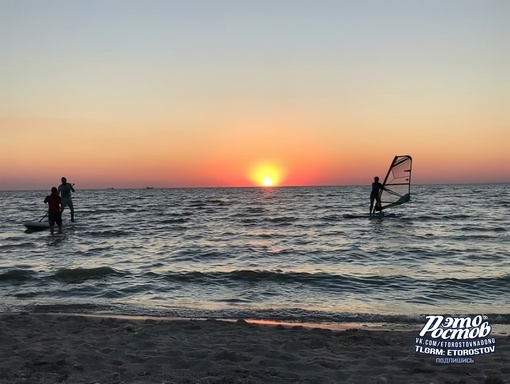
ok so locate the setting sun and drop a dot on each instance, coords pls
(266, 175)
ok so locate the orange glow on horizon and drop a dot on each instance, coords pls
(134, 155)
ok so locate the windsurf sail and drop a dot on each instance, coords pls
(397, 184)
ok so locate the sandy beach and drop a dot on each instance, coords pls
(40, 348)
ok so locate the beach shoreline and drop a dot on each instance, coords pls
(74, 348)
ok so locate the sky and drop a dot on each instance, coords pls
(225, 93)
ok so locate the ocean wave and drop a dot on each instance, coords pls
(477, 228)
(16, 275)
(173, 221)
(108, 233)
(336, 282)
(75, 275)
(294, 314)
(281, 220)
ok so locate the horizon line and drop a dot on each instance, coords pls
(255, 186)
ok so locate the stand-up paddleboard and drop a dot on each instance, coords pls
(41, 225)
(369, 216)
(36, 225)
(33, 226)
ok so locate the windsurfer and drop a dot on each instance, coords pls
(375, 195)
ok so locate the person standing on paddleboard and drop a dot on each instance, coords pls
(375, 195)
(55, 209)
(65, 190)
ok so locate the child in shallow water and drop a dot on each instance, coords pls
(55, 209)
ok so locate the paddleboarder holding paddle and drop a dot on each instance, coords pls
(65, 190)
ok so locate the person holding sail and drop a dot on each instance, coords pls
(375, 195)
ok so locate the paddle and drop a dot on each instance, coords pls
(42, 218)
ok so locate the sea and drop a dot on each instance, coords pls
(283, 254)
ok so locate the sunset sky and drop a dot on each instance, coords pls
(205, 93)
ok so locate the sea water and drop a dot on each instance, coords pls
(285, 254)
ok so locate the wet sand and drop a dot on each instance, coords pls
(45, 348)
